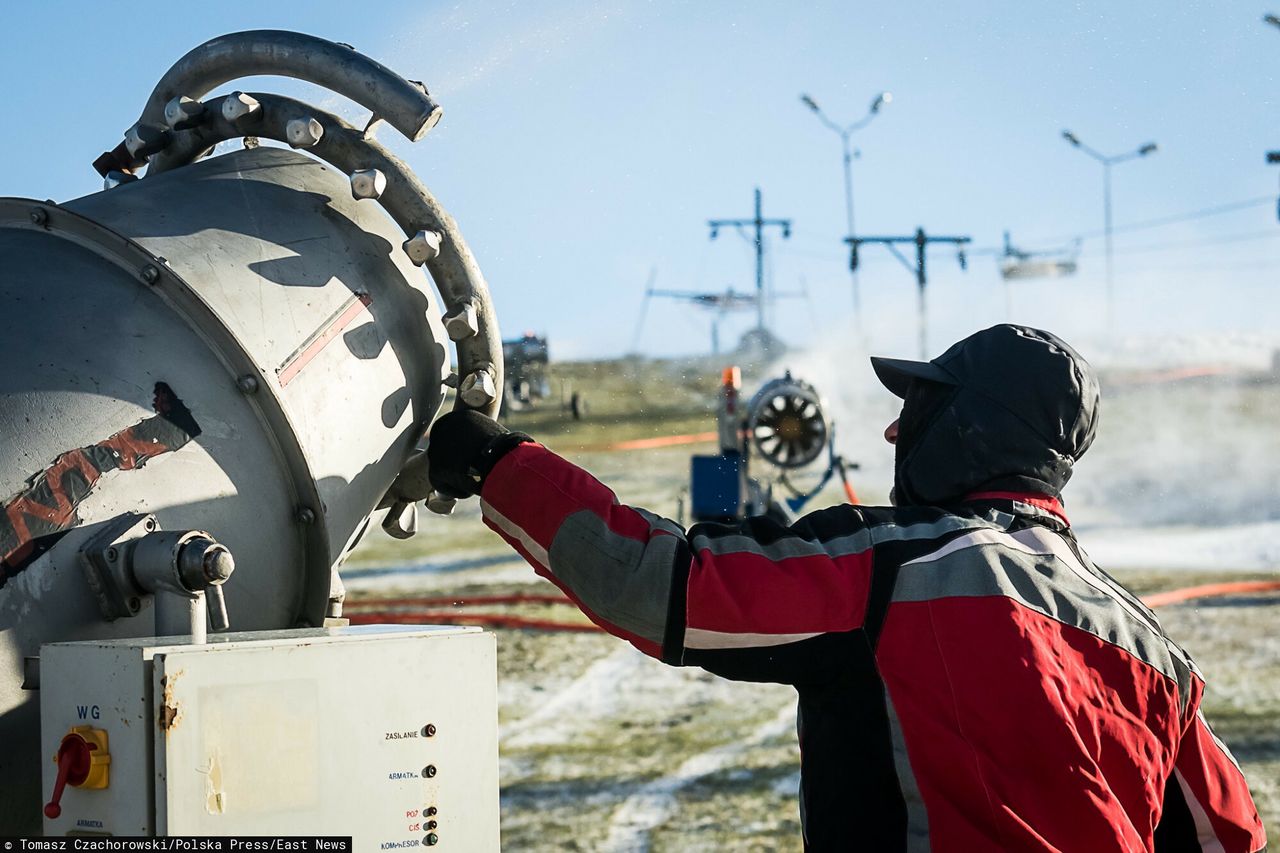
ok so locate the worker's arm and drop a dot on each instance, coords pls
(1207, 804)
(757, 601)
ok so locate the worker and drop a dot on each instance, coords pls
(968, 679)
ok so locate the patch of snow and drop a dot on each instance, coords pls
(788, 786)
(1241, 349)
(1248, 547)
(594, 693)
(655, 803)
(621, 682)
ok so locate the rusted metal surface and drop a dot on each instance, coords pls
(170, 714)
(34, 519)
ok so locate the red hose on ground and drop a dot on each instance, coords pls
(449, 617)
(409, 611)
(462, 600)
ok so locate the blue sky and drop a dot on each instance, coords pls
(584, 144)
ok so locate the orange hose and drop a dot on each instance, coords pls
(1173, 596)
(659, 441)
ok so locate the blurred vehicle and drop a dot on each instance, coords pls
(524, 362)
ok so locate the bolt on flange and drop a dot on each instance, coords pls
(423, 247)
(303, 132)
(239, 108)
(182, 113)
(478, 389)
(462, 323)
(143, 140)
(368, 183)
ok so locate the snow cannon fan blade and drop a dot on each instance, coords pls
(786, 424)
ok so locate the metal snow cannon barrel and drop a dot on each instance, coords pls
(217, 356)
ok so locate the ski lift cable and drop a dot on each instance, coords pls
(818, 239)
(1180, 246)
(1203, 213)
(1142, 225)
(835, 256)
(1194, 244)
(1206, 268)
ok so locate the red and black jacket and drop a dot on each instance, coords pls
(968, 679)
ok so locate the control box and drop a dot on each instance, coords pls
(388, 734)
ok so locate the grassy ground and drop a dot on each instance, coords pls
(605, 749)
(1234, 641)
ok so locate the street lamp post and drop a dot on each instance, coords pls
(1107, 163)
(845, 132)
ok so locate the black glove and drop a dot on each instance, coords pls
(462, 449)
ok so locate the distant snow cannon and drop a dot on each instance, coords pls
(238, 354)
(784, 427)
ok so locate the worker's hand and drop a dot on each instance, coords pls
(462, 448)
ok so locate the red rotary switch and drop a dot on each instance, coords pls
(73, 769)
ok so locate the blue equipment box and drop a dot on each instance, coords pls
(715, 487)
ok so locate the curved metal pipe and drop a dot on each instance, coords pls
(454, 270)
(404, 105)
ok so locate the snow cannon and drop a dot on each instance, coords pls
(224, 360)
(785, 428)
(786, 424)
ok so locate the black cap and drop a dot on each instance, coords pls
(1023, 408)
(896, 373)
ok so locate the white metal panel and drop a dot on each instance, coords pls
(329, 739)
(318, 731)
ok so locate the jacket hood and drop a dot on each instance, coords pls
(1007, 408)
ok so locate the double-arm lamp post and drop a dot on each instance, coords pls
(1107, 163)
(845, 132)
